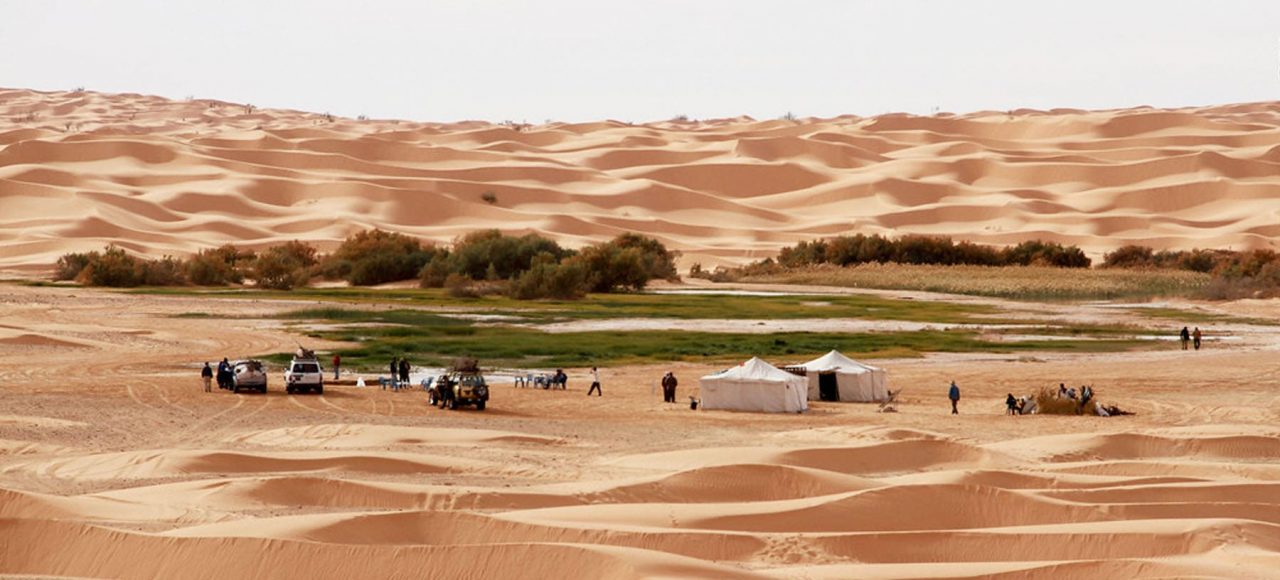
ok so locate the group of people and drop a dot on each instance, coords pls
(399, 368)
(1190, 337)
(226, 375)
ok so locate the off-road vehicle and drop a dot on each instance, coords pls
(461, 385)
(248, 375)
(304, 373)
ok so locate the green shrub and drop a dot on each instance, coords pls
(376, 257)
(489, 254)
(285, 267)
(218, 266)
(546, 278)
(435, 272)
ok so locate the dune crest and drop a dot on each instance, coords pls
(157, 176)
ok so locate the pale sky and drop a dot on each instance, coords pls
(580, 60)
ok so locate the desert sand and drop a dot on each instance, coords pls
(115, 463)
(79, 170)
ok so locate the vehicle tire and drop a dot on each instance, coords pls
(431, 398)
(236, 389)
(289, 389)
(452, 404)
(320, 389)
(479, 405)
(263, 390)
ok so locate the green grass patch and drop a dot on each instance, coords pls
(431, 339)
(607, 306)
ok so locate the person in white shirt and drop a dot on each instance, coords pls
(595, 383)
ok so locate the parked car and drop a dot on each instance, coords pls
(249, 375)
(302, 375)
(459, 388)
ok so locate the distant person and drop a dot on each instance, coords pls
(337, 363)
(1011, 403)
(669, 383)
(206, 374)
(595, 383)
(394, 373)
(404, 370)
(1186, 337)
(1086, 394)
(1195, 337)
(224, 374)
(954, 395)
(560, 379)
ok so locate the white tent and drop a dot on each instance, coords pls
(755, 385)
(845, 379)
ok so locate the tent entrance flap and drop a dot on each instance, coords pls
(828, 387)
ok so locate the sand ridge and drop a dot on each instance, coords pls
(79, 170)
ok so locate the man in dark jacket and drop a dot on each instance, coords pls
(404, 371)
(206, 375)
(954, 395)
(669, 383)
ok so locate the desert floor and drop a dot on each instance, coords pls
(115, 463)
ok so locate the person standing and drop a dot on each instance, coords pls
(669, 383)
(394, 373)
(595, 383)
(337, 363)
(206, 374)
(1195, 338)
(954, 395)
(224, 374)
(404, 371)
(1186, 337)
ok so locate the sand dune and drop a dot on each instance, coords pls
(157, 176)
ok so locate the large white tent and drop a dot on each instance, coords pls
(755, 385)
(835, 377)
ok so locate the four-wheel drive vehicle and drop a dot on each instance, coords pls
(249, 375)
(457, 388)
(302, 375)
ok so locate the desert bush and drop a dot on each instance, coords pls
(433, 275)
(218, 266)
(628, 261)
(113, 267)
(167, 271)
(917, 249)
(489, 254)
(69, 266)
(1040, 253)
(375, 256)
(547, 278)
(1130, 256)
(285, 267)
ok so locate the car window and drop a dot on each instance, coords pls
(306, 368)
